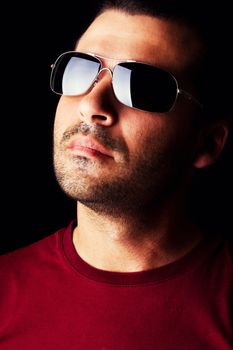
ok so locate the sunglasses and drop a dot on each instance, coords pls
(135, 84)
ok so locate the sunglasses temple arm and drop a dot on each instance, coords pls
(190, 97)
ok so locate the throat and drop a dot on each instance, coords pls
(132, 246)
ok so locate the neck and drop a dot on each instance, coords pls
(133, 242)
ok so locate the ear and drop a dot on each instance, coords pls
(210, 144)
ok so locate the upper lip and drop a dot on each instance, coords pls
(86, 142)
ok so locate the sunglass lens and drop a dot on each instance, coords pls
(144, 87)
(73, 73)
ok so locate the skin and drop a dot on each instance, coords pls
(132, 192)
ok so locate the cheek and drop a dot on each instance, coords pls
(59, 126)
(142, 132)
(154, 136)
(64, 117)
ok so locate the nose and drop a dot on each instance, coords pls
(98, 105)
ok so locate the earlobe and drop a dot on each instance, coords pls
(210, 144)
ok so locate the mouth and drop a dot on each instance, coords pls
(88, 147)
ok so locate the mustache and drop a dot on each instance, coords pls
(100, 134)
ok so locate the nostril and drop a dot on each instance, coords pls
(99, 116)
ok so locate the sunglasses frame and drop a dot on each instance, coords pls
(99, 58)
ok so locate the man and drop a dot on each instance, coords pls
(133, 127)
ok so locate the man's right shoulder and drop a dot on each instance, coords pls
(31, 253)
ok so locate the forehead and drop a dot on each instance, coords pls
(118, 35)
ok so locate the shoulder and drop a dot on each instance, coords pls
(27, 272)
(31, 265)
(26, 253)
(225, 248)
(220, 261)
(228, 251)
(43, 249)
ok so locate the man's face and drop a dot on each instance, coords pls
(110, 156)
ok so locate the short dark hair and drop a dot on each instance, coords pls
(212, 24)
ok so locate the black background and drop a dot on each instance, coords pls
(33, 205)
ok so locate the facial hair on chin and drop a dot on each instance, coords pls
(146, 178)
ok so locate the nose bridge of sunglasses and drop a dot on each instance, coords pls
(101, 72)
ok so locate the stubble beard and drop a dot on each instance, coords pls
(142, 181)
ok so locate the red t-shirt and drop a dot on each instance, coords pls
(51, 299)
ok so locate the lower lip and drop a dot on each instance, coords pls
(87, 152)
